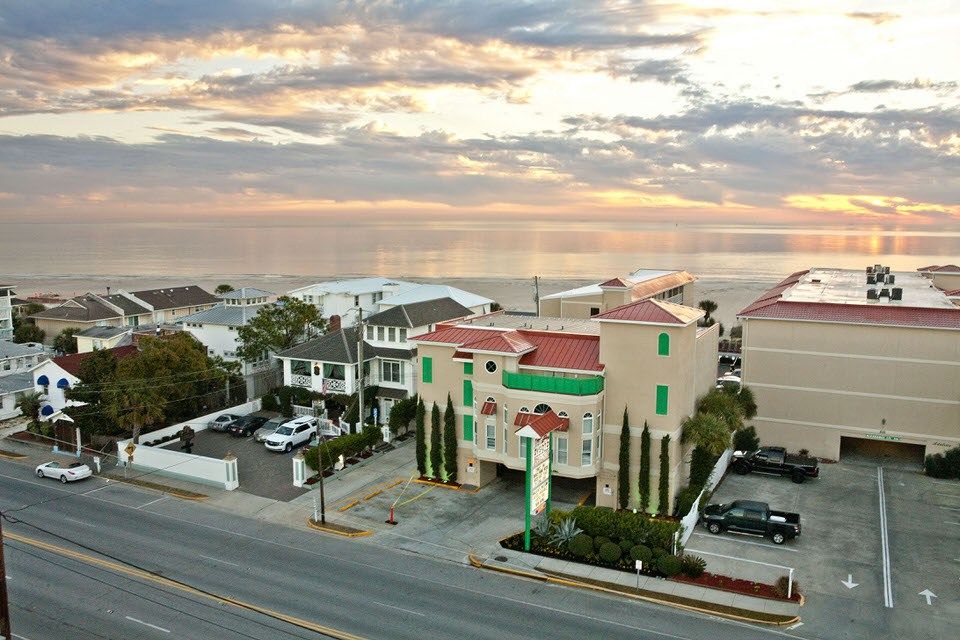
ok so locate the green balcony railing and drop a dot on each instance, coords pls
(547, 384)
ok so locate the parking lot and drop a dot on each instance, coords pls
(876, 535)
(261, 472)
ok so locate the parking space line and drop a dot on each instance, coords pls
(884, 543)
(147, 624)
(756, 544)
(153, 501)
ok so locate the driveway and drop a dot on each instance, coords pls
(875, 535)
(262, 473)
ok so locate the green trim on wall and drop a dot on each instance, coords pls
(663, 393)
(468, 393)
(468, 368)
(568, 386)
(468, 428)
(663, 344)
(427, 373)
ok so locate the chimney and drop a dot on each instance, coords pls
(108, 290)
(334, 323)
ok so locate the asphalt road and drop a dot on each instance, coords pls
(59, 589)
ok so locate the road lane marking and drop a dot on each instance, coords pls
(175, 584)
(384, 604)
(884, 543)
(147, 624)
(152, 501)
(794, 626)
(232, 564)
(756, 544)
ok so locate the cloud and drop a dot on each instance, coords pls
(876, 17)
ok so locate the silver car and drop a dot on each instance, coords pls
(271, 425)
(221, 422)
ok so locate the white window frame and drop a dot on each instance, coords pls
(522, 447)
(389, 366)
(392, 334)
(380, 334)
(586, 440)
(566, 449)
(403, 334)
(491, 439)
(586, 452)
(370, 332)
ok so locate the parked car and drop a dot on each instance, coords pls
(756, 518)
(222, 422)
(65, 473)
(729, 381)
(268, 428)
(292, 433)
(246, 425)
(776, 461)
(732, 360)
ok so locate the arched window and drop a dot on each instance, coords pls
(587, 423)
(562, 414)
(524, 410)
(663, 344)
(541, 408)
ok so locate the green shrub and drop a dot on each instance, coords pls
(599, 541)
(610, 552)
(746, 439)
(638, 527)
(668, 565)
(693, 566)
(686, 498)
(346, 445)
(658, 552)
(701, 465)
(581, 545)
(642, 553)
(269, 403)
(626, 544)
(783, 584)
(943, 465)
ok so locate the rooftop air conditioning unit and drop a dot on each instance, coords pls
(891, 279)
(886, 269)
(871, 279)
(896, 293)
(880, 278)
(871, 294)
(869, 269)
(884, 293)
(877, 267)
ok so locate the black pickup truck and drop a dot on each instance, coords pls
(776, 461)
(747, 516)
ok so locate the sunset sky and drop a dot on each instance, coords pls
(773, 111)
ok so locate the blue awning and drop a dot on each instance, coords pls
(43, 380)
(63, 383)
(46, 410)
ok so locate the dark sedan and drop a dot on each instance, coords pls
(246, 425)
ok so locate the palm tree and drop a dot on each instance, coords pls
(29, 405)
(134, 406)
(724, 406)
(707, 431)
(746, 401)
(708, 306)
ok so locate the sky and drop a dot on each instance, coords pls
(759, 111)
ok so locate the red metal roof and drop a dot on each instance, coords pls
(454, 335)
(505, 342)
(542, 424)
(616, 282)
(650, 288)
(460, 355)
(643, 311)
(770, 305)
(562, 351)
(952, 294)
(71, 363)
(489, 409)
(941, 268)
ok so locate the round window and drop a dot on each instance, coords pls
(491, 366)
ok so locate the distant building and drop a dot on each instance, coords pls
(848, 361)
(123, 309)
(509, 373)
(343, 297)
(108, 337)
(944, 276)
(20, 358)
(6, 312)
(643, 284)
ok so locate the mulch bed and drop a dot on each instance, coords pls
(339, 528)
(182, 493)
(736, 585)
(437, 481)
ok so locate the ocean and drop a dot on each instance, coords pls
(496, 256)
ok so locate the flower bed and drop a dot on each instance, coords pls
(736, 585)
(438, 481)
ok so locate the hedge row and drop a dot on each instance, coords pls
(944, 465)
(639, 528)
(346, 445)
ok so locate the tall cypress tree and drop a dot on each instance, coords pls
(421, 438)
(450, 441)
(645, 468)
(623, 475)
(436, 443)
(663, 496)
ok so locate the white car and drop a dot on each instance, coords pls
(65, 473)
(292, 433)
(730, 382)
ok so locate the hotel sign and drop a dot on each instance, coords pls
(540, 475)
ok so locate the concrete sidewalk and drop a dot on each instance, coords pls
(535, 564)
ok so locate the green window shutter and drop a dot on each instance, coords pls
(662, 393)
(467, 393)
(468, 428)
(468, 368)
(427, 370)
(663, 344)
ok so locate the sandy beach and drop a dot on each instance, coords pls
(512, 293)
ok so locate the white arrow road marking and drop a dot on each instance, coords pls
(849, 583)
(926, 593)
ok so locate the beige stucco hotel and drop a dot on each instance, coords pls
(855, 361)
(505, 372)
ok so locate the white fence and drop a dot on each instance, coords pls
(219, 473)
(689, 521)
(199, 424)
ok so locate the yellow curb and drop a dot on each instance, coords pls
(443, 485)
(343, 534)
(12, 456)
(476, 562)
(373, 495)
(349, 505)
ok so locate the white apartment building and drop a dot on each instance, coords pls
(216, 328)
(6, 312)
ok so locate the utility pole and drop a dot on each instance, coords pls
(360, 358)
(4, 604)
(536, 293)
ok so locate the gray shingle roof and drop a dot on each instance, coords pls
(337, 346)
(232, 316)
(103, 332)
(246, 292)
(419, 314)
(16, 382)
(13, 350)
(130, 308)
(176, 297)
(80, 309)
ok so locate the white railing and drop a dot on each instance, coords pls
(334, 386)
(689, 521)
(298, 380)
